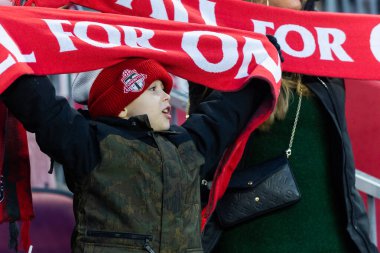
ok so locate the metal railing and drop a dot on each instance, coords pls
(371, 187)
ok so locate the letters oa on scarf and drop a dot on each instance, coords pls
(66, 41)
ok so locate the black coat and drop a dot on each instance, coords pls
(331, 93)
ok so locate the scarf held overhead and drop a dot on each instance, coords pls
(221, 58)
(67, 41)
(340, 44)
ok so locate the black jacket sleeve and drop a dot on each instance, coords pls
(61, 132)
(217, 121)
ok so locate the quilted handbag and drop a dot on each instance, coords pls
(256, 191)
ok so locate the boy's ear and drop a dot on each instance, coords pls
(124, 113)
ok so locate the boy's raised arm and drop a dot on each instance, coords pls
(218, 120)
(61, 131)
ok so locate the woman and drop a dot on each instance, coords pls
(330, 217)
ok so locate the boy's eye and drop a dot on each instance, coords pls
(153, 88)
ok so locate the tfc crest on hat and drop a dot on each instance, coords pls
(111, 89)
(133, 81)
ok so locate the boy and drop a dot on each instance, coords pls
(135, 178)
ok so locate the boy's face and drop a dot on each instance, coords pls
(154, 102)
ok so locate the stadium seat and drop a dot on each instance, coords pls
(52, 226)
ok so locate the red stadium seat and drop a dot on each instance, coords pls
(52, 226)
(363, 123)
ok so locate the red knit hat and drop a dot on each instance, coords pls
(117, 86)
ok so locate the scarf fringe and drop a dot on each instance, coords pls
(13, 236)
(14, 233)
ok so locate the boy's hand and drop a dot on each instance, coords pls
(273, 40)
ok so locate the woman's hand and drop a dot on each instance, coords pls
(273, 40)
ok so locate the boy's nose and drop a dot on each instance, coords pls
(166, 96)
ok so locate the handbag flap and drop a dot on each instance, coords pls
(252, 176)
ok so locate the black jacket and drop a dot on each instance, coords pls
(331, 93)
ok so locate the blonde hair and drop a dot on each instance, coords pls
(289, 83)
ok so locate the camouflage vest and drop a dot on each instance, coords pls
(140, 198)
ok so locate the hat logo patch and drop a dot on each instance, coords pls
(133, 81)
(1, 188)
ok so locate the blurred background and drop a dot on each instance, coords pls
(358, 6)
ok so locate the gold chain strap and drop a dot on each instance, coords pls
(289, 150)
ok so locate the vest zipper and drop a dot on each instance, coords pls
(322, 82)
(148, 247)
(131, 236)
